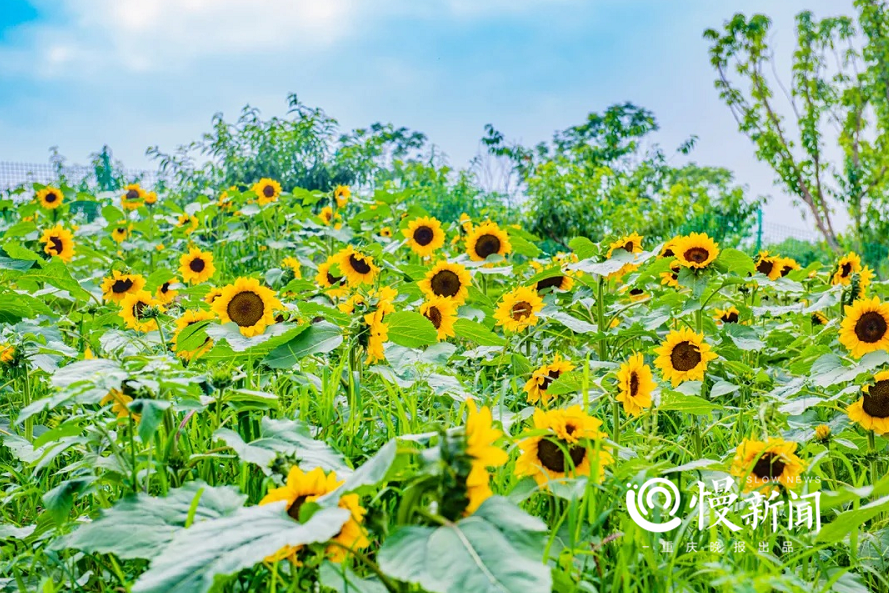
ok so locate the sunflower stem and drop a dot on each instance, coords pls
(615, 412)
(600, 320)
(872, 456)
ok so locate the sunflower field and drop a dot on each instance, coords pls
(277, 391)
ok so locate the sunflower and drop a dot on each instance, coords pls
(342, 193)
(190, 318)
(465, 222)
(768, 265)
(188, 222)
(671, 278)
(196, 266)
(348, 307)
(696, 251)
(683, 356)
(536, 387)
(487, 239)
(668, 249)
(7, 353)
(248, 304)
(58, 242)
(480, 439)
(335, 286)
(378, 334)
(131, 311)
(50, 197)
(266, 190)
(150, 198)
(327, 216)
(848, 265)
(424, 235)
(562, 282)
(302, 487)
(728, 315)
(386, 232)
(636, 383)
(630, 244)
(356, 267)
(164, 294)
(872, 410)
(213, 294)
(786, 265)
(292, 264)
(518, 309)
(637, 295)
(865, 279)
(447, 280)
(442, 313)
(865, 327)
(133, 197)
(765, 465)
(119, 404)
(568, 448)
(818, 318)
(117, 286)
(120, 234)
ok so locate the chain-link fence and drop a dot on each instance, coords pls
(101, 176)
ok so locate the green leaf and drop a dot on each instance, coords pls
(522, 246)
(56, 274)
(737, 262)
(746, 338)
(410, 329)
(499, 549)
(476, 332)
(260, 345)
(317, 338)
(341, 579)
(285, 437)
(13, 532)
(690, 404)
(846, 521)
(60, 499)
(198, 555)
(583, 247)
(140, 526)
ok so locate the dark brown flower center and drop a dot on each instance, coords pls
(765, 266)
(138, 308)
(445, 283)
(268, 191)
(552, 457)
(876, 400)
(668, 252)
(817, 319)
(121, 230)
(197, 265)
(121, 286)
(871, 327)
(334, 280)
(697, 255)
(634, 384)
(785, 270)
(521, 310)
(730, 317)
(554, 282)
(57, 244)
(294, 508)
(628, 246)
(245, 308)
(636, 292)
(487, 245)
(423, 235)
(51, 197)
(165, 287)
(769, 466)
(548, 379)
(434, 315)
(133, 194)
(846, 269)
(359, 264)
(685, 356)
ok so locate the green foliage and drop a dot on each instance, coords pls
(596, 180)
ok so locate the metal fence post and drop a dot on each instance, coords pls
(759, 229)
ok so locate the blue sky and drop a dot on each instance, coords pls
(134, 73)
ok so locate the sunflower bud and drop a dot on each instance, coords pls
(822, 432)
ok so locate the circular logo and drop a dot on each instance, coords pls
(655, 493)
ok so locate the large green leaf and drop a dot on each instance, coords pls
(342, 580)
(845, 522)
(197, 556)
(318, 338)
(499, 549)
(139, 526)
(285, 437)
(476, 332)
(55, 273)
(410, 329)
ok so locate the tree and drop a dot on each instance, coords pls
(596, 180)
(839, 93)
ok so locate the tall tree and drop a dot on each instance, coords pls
(839, 94)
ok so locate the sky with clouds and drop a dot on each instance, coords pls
(78, 74)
